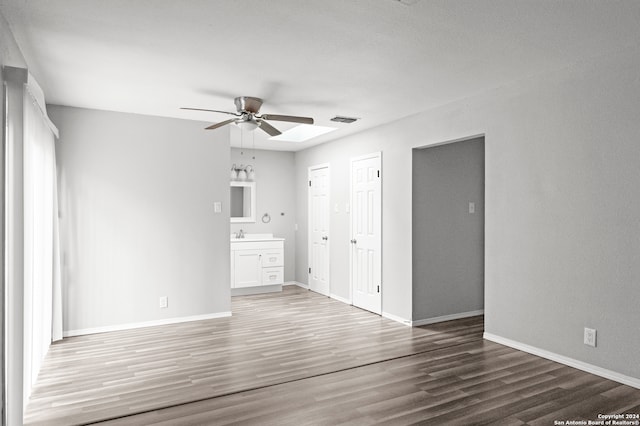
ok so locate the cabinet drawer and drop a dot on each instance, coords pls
(272, 257)
(272, 275)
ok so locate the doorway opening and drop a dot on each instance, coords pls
(448, 231)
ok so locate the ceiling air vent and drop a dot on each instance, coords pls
(341, 119)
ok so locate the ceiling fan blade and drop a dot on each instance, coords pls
(272, 131)
(291, 118)
(211, 110)
(222, 123)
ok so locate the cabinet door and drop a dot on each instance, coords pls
(248, 268)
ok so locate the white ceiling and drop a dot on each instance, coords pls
(379, 60)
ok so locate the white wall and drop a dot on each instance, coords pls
(137, 219)
(562, 233)
(448, 240)
(10, 53)
(275, 194)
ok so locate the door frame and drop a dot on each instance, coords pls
(309, 242)
(376, 154)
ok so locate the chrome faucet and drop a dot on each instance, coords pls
(240, 234)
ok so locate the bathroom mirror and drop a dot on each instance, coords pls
(243, 202)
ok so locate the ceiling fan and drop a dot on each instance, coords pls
(248, 115)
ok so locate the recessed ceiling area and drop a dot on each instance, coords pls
(378, 60)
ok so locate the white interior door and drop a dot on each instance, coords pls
(319, 229)
(366, 232)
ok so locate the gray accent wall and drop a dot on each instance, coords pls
(137, 218)
(447, 239)
(275, 195)
(562, 212)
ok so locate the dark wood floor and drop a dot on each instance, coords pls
(299, 358)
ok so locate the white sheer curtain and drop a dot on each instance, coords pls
(42, 286)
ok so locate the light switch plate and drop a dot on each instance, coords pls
(590, 337)
(217, 207)
(472, 207)
(163, 302)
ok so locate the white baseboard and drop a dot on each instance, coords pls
(84, 331)
(580, 365)
(443, 318)
(305, 286)
(340, 299)
(396, 318)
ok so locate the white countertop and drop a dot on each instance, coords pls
(254, 237)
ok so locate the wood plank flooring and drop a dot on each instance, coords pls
(301, 358)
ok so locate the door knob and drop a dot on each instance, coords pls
(325, 238)
(353, 241)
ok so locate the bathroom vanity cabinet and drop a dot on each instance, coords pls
(257, 263)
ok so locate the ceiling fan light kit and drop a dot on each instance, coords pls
(249, 125)
(249, 118)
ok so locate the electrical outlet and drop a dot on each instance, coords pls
(472, 207)
(164, 302)
(590, 337)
